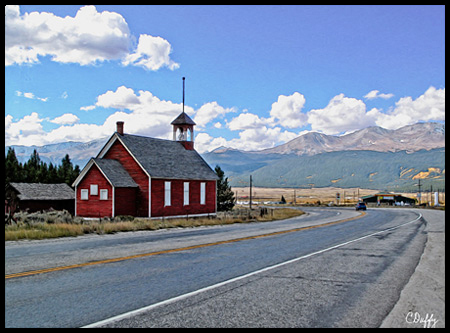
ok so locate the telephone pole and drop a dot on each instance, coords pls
(250, 192)
(420, 194)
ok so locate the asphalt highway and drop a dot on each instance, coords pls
(347, 274)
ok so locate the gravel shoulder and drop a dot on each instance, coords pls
(422, 301)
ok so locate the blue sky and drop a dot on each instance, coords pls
(256, 76)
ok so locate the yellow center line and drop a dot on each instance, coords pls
(106, 261)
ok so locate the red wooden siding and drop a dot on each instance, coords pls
(94, 207)
(125, 201)
(119, 153)
(177, 198)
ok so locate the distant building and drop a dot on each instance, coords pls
(386, 198)
(33, 197)
(147, 177)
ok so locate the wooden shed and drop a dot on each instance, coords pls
(33, 197)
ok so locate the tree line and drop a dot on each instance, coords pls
(37, 171)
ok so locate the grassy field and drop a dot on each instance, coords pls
(307, 196)
(61, 224)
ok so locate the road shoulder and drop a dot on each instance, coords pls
(422, 301)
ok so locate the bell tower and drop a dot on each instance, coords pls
(183, 128)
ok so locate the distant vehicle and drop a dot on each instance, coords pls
(360, 206)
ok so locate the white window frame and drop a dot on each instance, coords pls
(186, 194)
(202, 193)
(94, 189)
(167, 194)
(103, 194)
(84, 194)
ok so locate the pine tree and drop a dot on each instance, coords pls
(66, 173)
(225, 196)
(13, 169)
(31, 168)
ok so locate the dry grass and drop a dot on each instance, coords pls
(60, 224)
(304, 196)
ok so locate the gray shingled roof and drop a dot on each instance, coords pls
(167, 159)
(183, 119)
(115, 172)
(38, 191)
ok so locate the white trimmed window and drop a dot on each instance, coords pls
(202, 193)
(103, 194)
(186, 194)
(167, 193)
(84, 194)
(94, 189)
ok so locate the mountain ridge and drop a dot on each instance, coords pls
(409, 138)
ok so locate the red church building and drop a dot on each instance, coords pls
(147, 177)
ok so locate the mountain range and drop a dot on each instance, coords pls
(409, 138)
(373, 157)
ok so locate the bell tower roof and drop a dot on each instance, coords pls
(183, 119)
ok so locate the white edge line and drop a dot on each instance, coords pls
(217, 285)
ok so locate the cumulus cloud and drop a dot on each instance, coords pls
(249, 139)
(66, 119)
(26, 131)
(287, 110)
(146, 114)
(342, 114)
(208, 112)
(427, 107)
(152, 53)
(247, 121)
(87, 38)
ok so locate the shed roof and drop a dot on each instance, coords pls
(38, 191)
(167, 159)
(115, 172)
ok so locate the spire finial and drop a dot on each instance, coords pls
(183, 92)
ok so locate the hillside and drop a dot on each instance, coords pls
(365, 169)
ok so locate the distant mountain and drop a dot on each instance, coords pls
(79, 152)
(373, 157)
(409, 138)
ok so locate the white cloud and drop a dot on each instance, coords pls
(87, 38)
(249, 139)
(30, 95)
(146, 114)
(428, 107)
(287, 110)
(27, 131)
(149, 115)
(208, 112)
(66, 119)
(152, 53)
(122, 98)
(247, 121)
(342, 114)
(376, 94)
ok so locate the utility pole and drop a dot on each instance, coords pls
(420, 194)
(250, 192)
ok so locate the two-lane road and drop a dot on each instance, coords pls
(342, 274)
